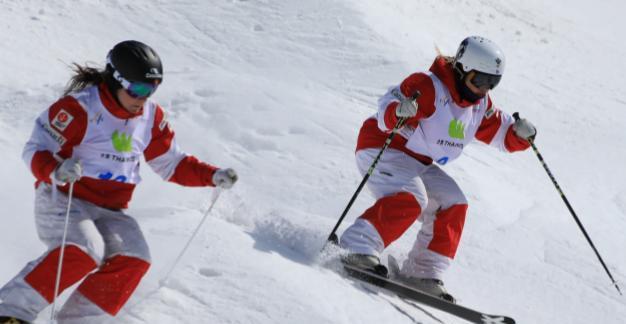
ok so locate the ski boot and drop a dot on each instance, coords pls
(432, 287)
(11, 320)
(366, 262)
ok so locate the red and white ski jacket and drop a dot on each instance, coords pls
(108, 140)
(444, 123)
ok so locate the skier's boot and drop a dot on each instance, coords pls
(11, 320)
(370, 263)
(432, 287)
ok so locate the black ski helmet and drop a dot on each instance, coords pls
(135, 62)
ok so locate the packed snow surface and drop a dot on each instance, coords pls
(278, 90)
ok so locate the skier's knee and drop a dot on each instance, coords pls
(113, 284)
(137, 249)
(422, 200)
(77, 264)
(453, 199)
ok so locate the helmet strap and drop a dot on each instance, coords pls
(465, 92)
(458, 71)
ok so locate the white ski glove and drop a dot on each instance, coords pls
(524, 129)
(69, 170)
(225, 178)
(407, 108)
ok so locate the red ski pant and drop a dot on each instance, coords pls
(105, 288)
(406, 189)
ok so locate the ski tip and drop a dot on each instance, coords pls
(497, 319)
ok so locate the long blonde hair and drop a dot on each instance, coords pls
(449, 59)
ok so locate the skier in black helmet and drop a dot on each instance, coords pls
(93, 138)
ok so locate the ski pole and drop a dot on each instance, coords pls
(569, 207)
(57, 282)
(216, 194)
(332, 238)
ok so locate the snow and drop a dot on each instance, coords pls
(278, 90)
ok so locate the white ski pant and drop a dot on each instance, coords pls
(406, 189)
(103, 291)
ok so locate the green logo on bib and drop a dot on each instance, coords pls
(456, 129)
(122, 142)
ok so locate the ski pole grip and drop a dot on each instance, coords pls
(516, 116)
(401, 121)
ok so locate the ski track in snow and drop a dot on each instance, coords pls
(278, 91)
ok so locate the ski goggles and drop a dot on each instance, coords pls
(485, 80)
(135, 89)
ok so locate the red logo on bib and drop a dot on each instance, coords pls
(63, 117)
(61, 120)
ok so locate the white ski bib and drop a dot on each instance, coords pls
(443, 135)
(112, 147)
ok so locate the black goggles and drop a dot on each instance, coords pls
(485, 80)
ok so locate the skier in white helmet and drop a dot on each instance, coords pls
(445, 109)
(94, 137)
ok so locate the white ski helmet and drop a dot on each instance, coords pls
(479, 54)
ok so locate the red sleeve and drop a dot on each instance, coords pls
(162, 136)
(42, 165)
(514, 143)
(163, 155)
(390, 115)
(193, 173)
(68, 120)
(425, 102)
(491, 123)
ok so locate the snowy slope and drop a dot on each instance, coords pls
(278, 91)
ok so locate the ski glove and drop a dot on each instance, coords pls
(407, 108)
(524, 129)
(69, 170)
(225, 178)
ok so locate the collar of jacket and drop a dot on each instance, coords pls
(445, 73)
(111, 104)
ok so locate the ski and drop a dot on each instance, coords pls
(404, 291)
(389, 298)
